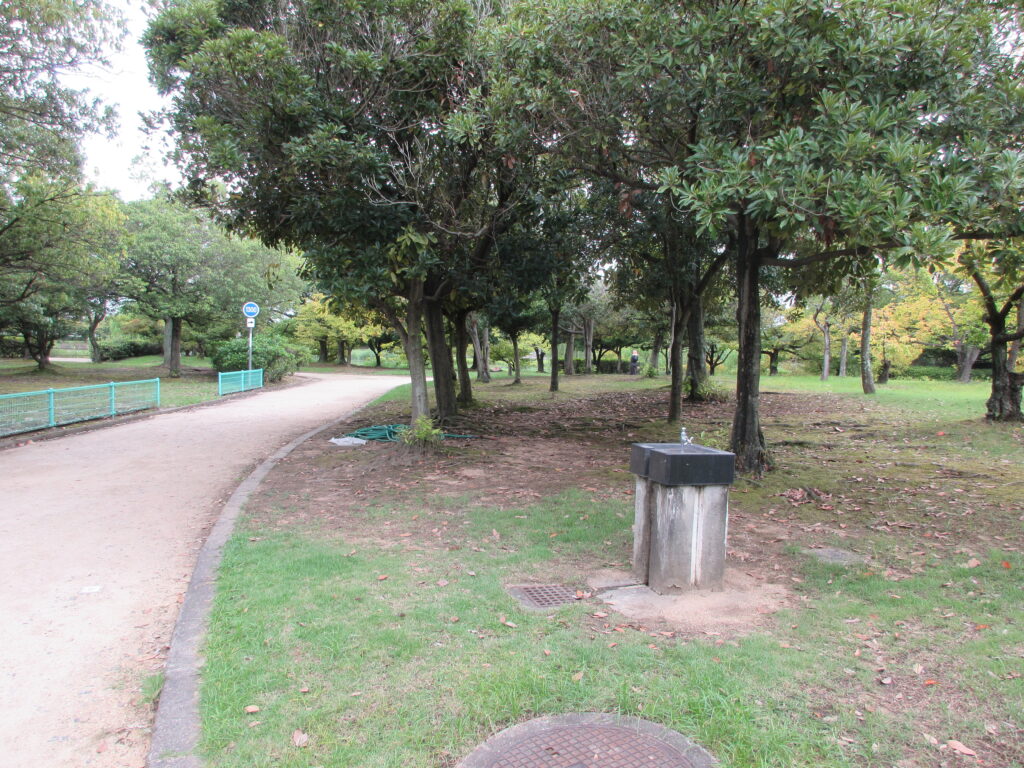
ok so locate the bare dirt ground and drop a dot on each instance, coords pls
(98, 535)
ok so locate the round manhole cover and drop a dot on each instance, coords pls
(588, 741)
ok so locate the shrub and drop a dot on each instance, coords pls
(422, 434)
(649, 371)
(270, 353)
(612, 365)
(125, 347)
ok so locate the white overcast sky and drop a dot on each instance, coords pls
(130, 161)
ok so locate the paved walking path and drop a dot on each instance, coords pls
(98, 537)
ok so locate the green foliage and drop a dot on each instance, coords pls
(649, 371)
(269, 352)
(123, 348)
(422, 434)
(41, 119)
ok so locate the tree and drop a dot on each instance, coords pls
(74, 270)
(826, 149)
(184, 268)
(997, 268)
(360, 133)
(41, 120)
(514, 316)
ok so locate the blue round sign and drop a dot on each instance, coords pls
(250, 309)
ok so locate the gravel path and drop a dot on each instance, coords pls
(98, 537)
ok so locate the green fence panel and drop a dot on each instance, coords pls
(230, 382)
(28, 411)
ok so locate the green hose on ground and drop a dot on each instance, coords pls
(392, 433)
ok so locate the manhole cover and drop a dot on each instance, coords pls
(588, 741)
(541, 596)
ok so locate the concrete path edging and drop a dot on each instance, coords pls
(176, 728)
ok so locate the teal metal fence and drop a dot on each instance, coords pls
(28, 411)
(239, 381)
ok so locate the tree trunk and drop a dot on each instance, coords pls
(376, 353)
(413, 343)
(167, 341)
(773, 361)
(747, 439)
(441, 361)
(461, 342)
(672, 326)
(659, 339)
(483, 373)
(570, 355)
(95, 353)
(341, 352)
(844, 350)
(696, 365)
(38, 344)
(588, 346)
(174, 366)
(515, 357)
(1004, 402)
(883, 375)
(826, 358)
(967, 356)
(675, 362)
(324, 354)
(867, 379)
(539, 354)
(1014, 353)
(555, 313)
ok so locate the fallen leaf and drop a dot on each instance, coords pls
(578, 676)
(1006, 564)
(600, 615)
(102, 747)
(300, 739)
(931, 682)
(918, 669)
(382, 577)
(254, 723)
(303, 690)
(547, 653)
(252, 709)
(973, 562)
(886, 681)
(957, 746)
(442, 582)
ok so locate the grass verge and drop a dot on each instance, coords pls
(362, 605)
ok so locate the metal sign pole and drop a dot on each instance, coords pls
(250, 309)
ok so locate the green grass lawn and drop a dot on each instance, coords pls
(362, 600)
(197, 384)
(933, 400)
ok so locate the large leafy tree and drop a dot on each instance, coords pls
(807, 133)
(73, 273)
(184, 268)
(41, 120)
(358, 132)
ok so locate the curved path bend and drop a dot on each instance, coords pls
(98, 538)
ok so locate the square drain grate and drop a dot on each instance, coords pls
(542, 596)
